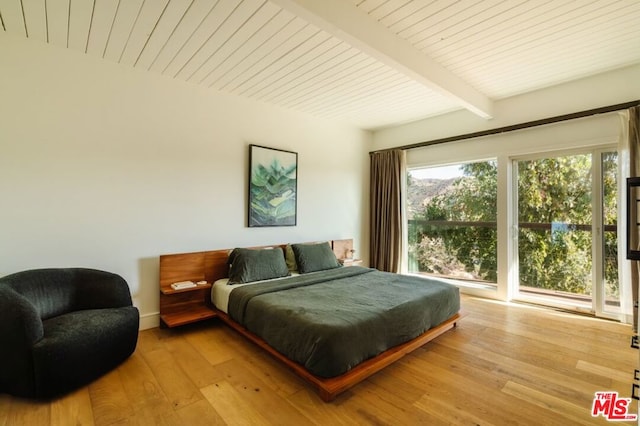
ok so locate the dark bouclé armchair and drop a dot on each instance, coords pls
(60, 329)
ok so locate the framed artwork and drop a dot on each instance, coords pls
(273, 187)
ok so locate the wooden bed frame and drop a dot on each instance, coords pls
(329, 388)
(212, 265)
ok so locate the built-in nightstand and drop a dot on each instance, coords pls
(187, 305)
(350, 262)
(178, 307)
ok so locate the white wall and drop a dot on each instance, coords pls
(598, 130)
(108, 167)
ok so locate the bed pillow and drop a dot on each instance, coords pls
(249, 265)
(314, 257)
(290, 259)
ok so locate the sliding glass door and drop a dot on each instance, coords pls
(566, 231)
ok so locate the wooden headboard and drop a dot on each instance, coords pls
(343, 248)
(212, 265)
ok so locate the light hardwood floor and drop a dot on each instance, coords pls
(503, 364)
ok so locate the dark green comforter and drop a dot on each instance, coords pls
(331, 321)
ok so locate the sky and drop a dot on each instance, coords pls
(444, 172)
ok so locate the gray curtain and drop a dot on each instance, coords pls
(388, 172)
(634, 170)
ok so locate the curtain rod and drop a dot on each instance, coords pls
(526, 125)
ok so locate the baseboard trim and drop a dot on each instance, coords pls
(149, 321)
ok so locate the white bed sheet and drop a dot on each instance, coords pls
(220, 291)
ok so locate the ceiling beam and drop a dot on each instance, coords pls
(342, 19)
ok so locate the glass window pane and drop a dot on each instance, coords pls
(452, 221)
(555, 227)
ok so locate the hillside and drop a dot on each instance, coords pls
(420, 191)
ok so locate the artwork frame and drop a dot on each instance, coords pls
(273, 187)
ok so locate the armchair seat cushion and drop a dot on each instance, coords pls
(80, 346)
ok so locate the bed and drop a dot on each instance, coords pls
(332, 325)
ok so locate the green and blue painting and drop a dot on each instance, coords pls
(272, 187)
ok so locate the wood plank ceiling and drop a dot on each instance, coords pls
(371, 63)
